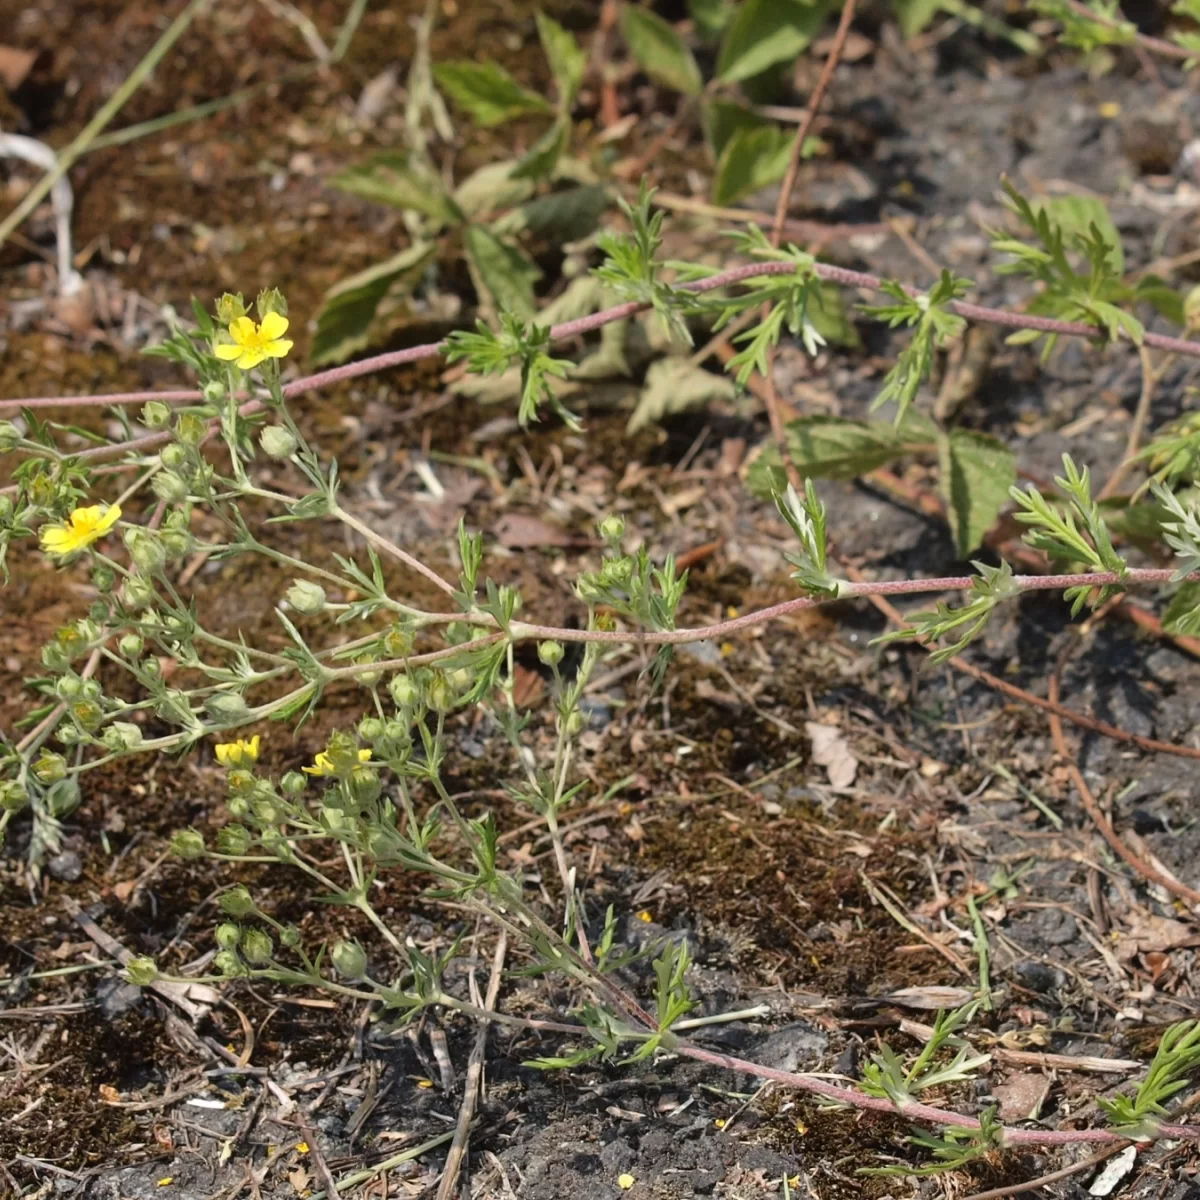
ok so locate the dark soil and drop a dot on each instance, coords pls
(721, 831)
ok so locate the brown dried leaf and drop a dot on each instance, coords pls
(519, 531)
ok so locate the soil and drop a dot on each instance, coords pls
(704, 817)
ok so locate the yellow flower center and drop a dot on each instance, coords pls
(80, 530)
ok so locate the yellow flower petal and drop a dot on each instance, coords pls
(274, 325)
(242, 330)
(227, 351)
(81, 529)
(278, 349)
(625, 1182)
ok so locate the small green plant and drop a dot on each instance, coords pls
(1140, 1117)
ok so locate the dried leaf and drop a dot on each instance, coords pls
(831, 751)
(519, 531)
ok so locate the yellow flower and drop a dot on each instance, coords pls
(239, 753)
(323, 764)
(252, 343)
(82, 528)
(625, 1182)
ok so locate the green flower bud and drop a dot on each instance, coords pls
(364, 785)
(214, 392)
(170, 486)
(271, 300)
(131, 645)
(229, 965)
(574, 722)
(306, 597)
(234, 839)
(88, 714)
(550, 653)
(278, 441)
(146, 550)
(68, 735)
(458, 632)
(99, 611)
(226, 707)
(289, 937)
(121, 736)
(241, 781)
(395, 741)
(50, 767)
(293, 783)
(156, 414)
(54, 657)
(612, 528)
(13, 797)
(266, 812)
(188, 843)
(239, 807)
(173, 456)
(370, 728)
(90, 689)
(230, 307)
(439, 695)
(236, 903)
(367, 678)
(176, 542)
(10, 435)
(103, 578)
(141, 971)
(191, 428)
(349, 960)
(69, 687)
(63, 797)
(404, 690)
(398, 642)
(139, 592)
(257, 947)
(227, 936)
(151, 668)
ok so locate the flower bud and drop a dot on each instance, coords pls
(228, 963)
(131, 645)
(574, 722)
(122, 735)
(69, 687)
(550, 653)
(306, 597)
(271, 300)
(404, 690)
(612, 528)
(54, 657)
(139, 592)
(187, 843)
(289, 937)
(173, 456)
(191, 428)
(146, 550)
(68, 735)
(63, 798)
(257, 947)
(156, 414)
(50, 767)
(439, 695)
(214, 392)
(90, 689)
(170, 486)
(266, 812)
(141, 971)
(10, 435)
(88, 714)
(239, 807)
(234, 839)
(103, 578)
(293, 783)
(227, 936)
(349, 960)
(13, 797)
(230, 307)
(364, 785)
(370, 728)
(236, 903)
(278, 441)
(397, 642)
(367, 678)
(226, 707)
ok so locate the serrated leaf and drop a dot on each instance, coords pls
(766, 32)
(660, 51)
(505, 274)
(835, 448)
(344, 322)
(976, 473)
(398, 180)
(1077, 214)
(487, 93)
(674, 385)
(492, 187)
(566, 57)
(751, 160)
(567, 216)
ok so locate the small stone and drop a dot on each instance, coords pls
(66, 867)
(117, 997)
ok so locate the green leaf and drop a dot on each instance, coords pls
(1075, 215)
(493, 187)
(1183, 613)
(751, 160)
(399, 180)
(674, 385)
(834, 448)
(567, 216)
(914, 15)
(711, 17)
(766, 32)
(976, 473)
(487, 93)
(566, 57)
(544, 154)
(344, 322)
(660, 51)
(505, 274)
(721, 119)
(829, 318)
